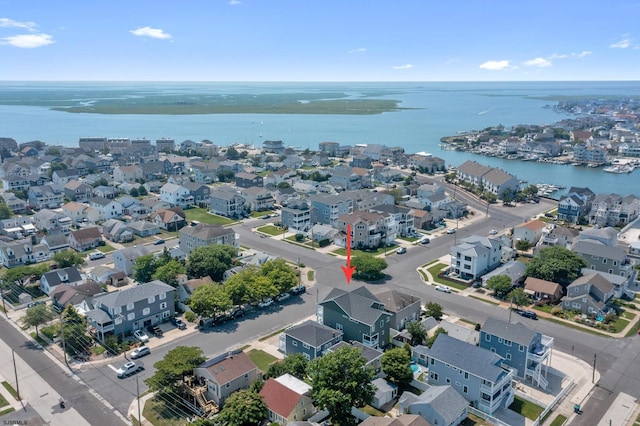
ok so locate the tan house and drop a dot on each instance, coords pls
(226, 374)
(288, 399)
(85, 239)
(170, 219)
(543, 291)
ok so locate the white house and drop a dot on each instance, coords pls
(176, 195)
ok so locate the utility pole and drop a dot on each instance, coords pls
(299, 273)
(15, 372)
(138, 395)
(593, 376)
(64, 345)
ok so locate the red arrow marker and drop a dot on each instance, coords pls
(348, 270)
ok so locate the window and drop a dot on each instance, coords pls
(151, 299)
(611, 271)
(166, 314)
(163, 296)
(487, 337)
(246, 377)
(448, 380)
(163, 305)
(146, 311)
(521, 348)
(508, 357)
(465, 389)
(294, 342)
(339, 326)
(227, 385)
(604, 260)
(307, 356)
(466, 375)
(129, 306)
(507, 342)
(131, 316)
(434, 376)
(432, 361)
(304, 345)
(499, 339)
(615, 263)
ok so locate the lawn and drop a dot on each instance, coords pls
(435, 269)
(270, 229)
(203, 216)
(372, 411)
(526, 408)
(260, 214)
(310, 275)
(619, 325)
(586, 328)
(105, 248)
(484, 300)
(3, 401)
(159, 414)
(354, 252)
(262, 359)
(10, 389)
(559, 420)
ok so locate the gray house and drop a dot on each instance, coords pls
(50, 280)
(476, 373)
(525, 350)
(226, 202)
(310, 338)
(123, 311)
(358, 314)
(403, 307)
(589, 294)
(125, 259)
(439, 405)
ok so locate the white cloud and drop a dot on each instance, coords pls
(495, 65)
(538, 62)
(10, 23)
(358, 50)
(150, 32)
(621, 44)
(28, 41)
(234, 2)
(582, 54)
(403, 67)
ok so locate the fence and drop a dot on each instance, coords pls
(485, 416)
(555, 401)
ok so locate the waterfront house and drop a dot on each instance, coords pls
(358, 314)
(288, 399)
(477, 374)
(527, 351)
(204, 234)
(614, 210)
(575, 205)
(225, 374)
(309, 338)
(134, 308)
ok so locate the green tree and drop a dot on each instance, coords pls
(134, 192)
(142, 191)
(280, 273)
(429, 342)
(176, 364)
(500, 284)
(433, 310)
(238, 289)
(168, 272)
(74, 328)
(210, 260)
(417, 331)
(68, 258)
(518, 297)
(209, 300)
(37, 315)
(341, 380)
(232, 153)
(295, 364)
(144, 267)
(396, 365)
(397, 194)
(507, 197)
(5, 211)
(523, 245)
(283, 185)
(556, 264)
(243, 408)
(368, 266)
(54, 167)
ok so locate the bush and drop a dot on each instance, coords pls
(557, 311)
(190, 316)
(324, 243)
(98, 350)
(299, 238)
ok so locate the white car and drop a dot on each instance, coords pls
(282, 297)
(141, 335)
(451, 231)
(443, 288)
(265, 303)
(128, 368)
(493, 232)
(140, 352)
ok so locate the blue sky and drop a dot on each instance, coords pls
(319, 40)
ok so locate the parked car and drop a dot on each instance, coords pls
(451, 231)
(179, 323)
(299, 289)
(266, 303)
(493, 232)
(443, 288)
(36, 303)
(425, 241)
(237, 312)
(141, 336)
(128, 368)
(528, 314)
(401, 250)
(266, 216)
(158, 242)
(221, 319)
(282, 297)
(140, 352)
(155, 330)
(96, 255)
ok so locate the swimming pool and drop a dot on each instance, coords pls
(414, 368)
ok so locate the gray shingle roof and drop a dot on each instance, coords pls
(313, 333)
(516, 332)
(593, 248)
(133, 294)
(476, 360)
(445, 400)
(358, 304)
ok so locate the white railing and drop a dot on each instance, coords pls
(486, 416)
(555, 401)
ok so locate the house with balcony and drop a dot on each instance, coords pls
(226, 373)
(176, 195)
(15, 183)
(247, 180)
(556, 235)
(426, 162)
(403, 307)
(46, 196)
(201, 193)
(62, 177)
(368, 229)
(288, 399)
(401, 220)
(85, 239)
(297, 215)
(203, 235)
(472, 172)
(358, 315)
(614, 210)
(477, 374)
(309, 338)
(583, 153)
(124, 311)
(79, 191)
(23, 252)
(127, 173)
(330, 207)
(575, 205)
(50, 220)
(257, 198)
(589, 294)
(527, 351)
(474, 256)
(15, 204)
(604, 258)
(345, 178)
(227, 202)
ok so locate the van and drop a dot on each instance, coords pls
(97, 255)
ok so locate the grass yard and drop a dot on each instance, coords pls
(10, 389)
(372, 411)
(159, 414)
(473, 420)
(202, 215)
(262, 359)
(435, 269)
(628, 315)
(270, 229)
(526, 408)
(484, 300)
(619, 325)
(354, 252)
(260, 214)
(3, 401)
(105, 249)
(310, 275)
(633, 330)
(559, 420)
(586, 329)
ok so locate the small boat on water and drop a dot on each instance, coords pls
(619, 169)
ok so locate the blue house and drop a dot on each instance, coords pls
(527, 351)
(310, 338)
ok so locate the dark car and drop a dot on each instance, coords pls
(158, 242)
(298, 289)
(237, 312)
(221, 319)
(528, 314)
(155, 330)
(179, 323)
